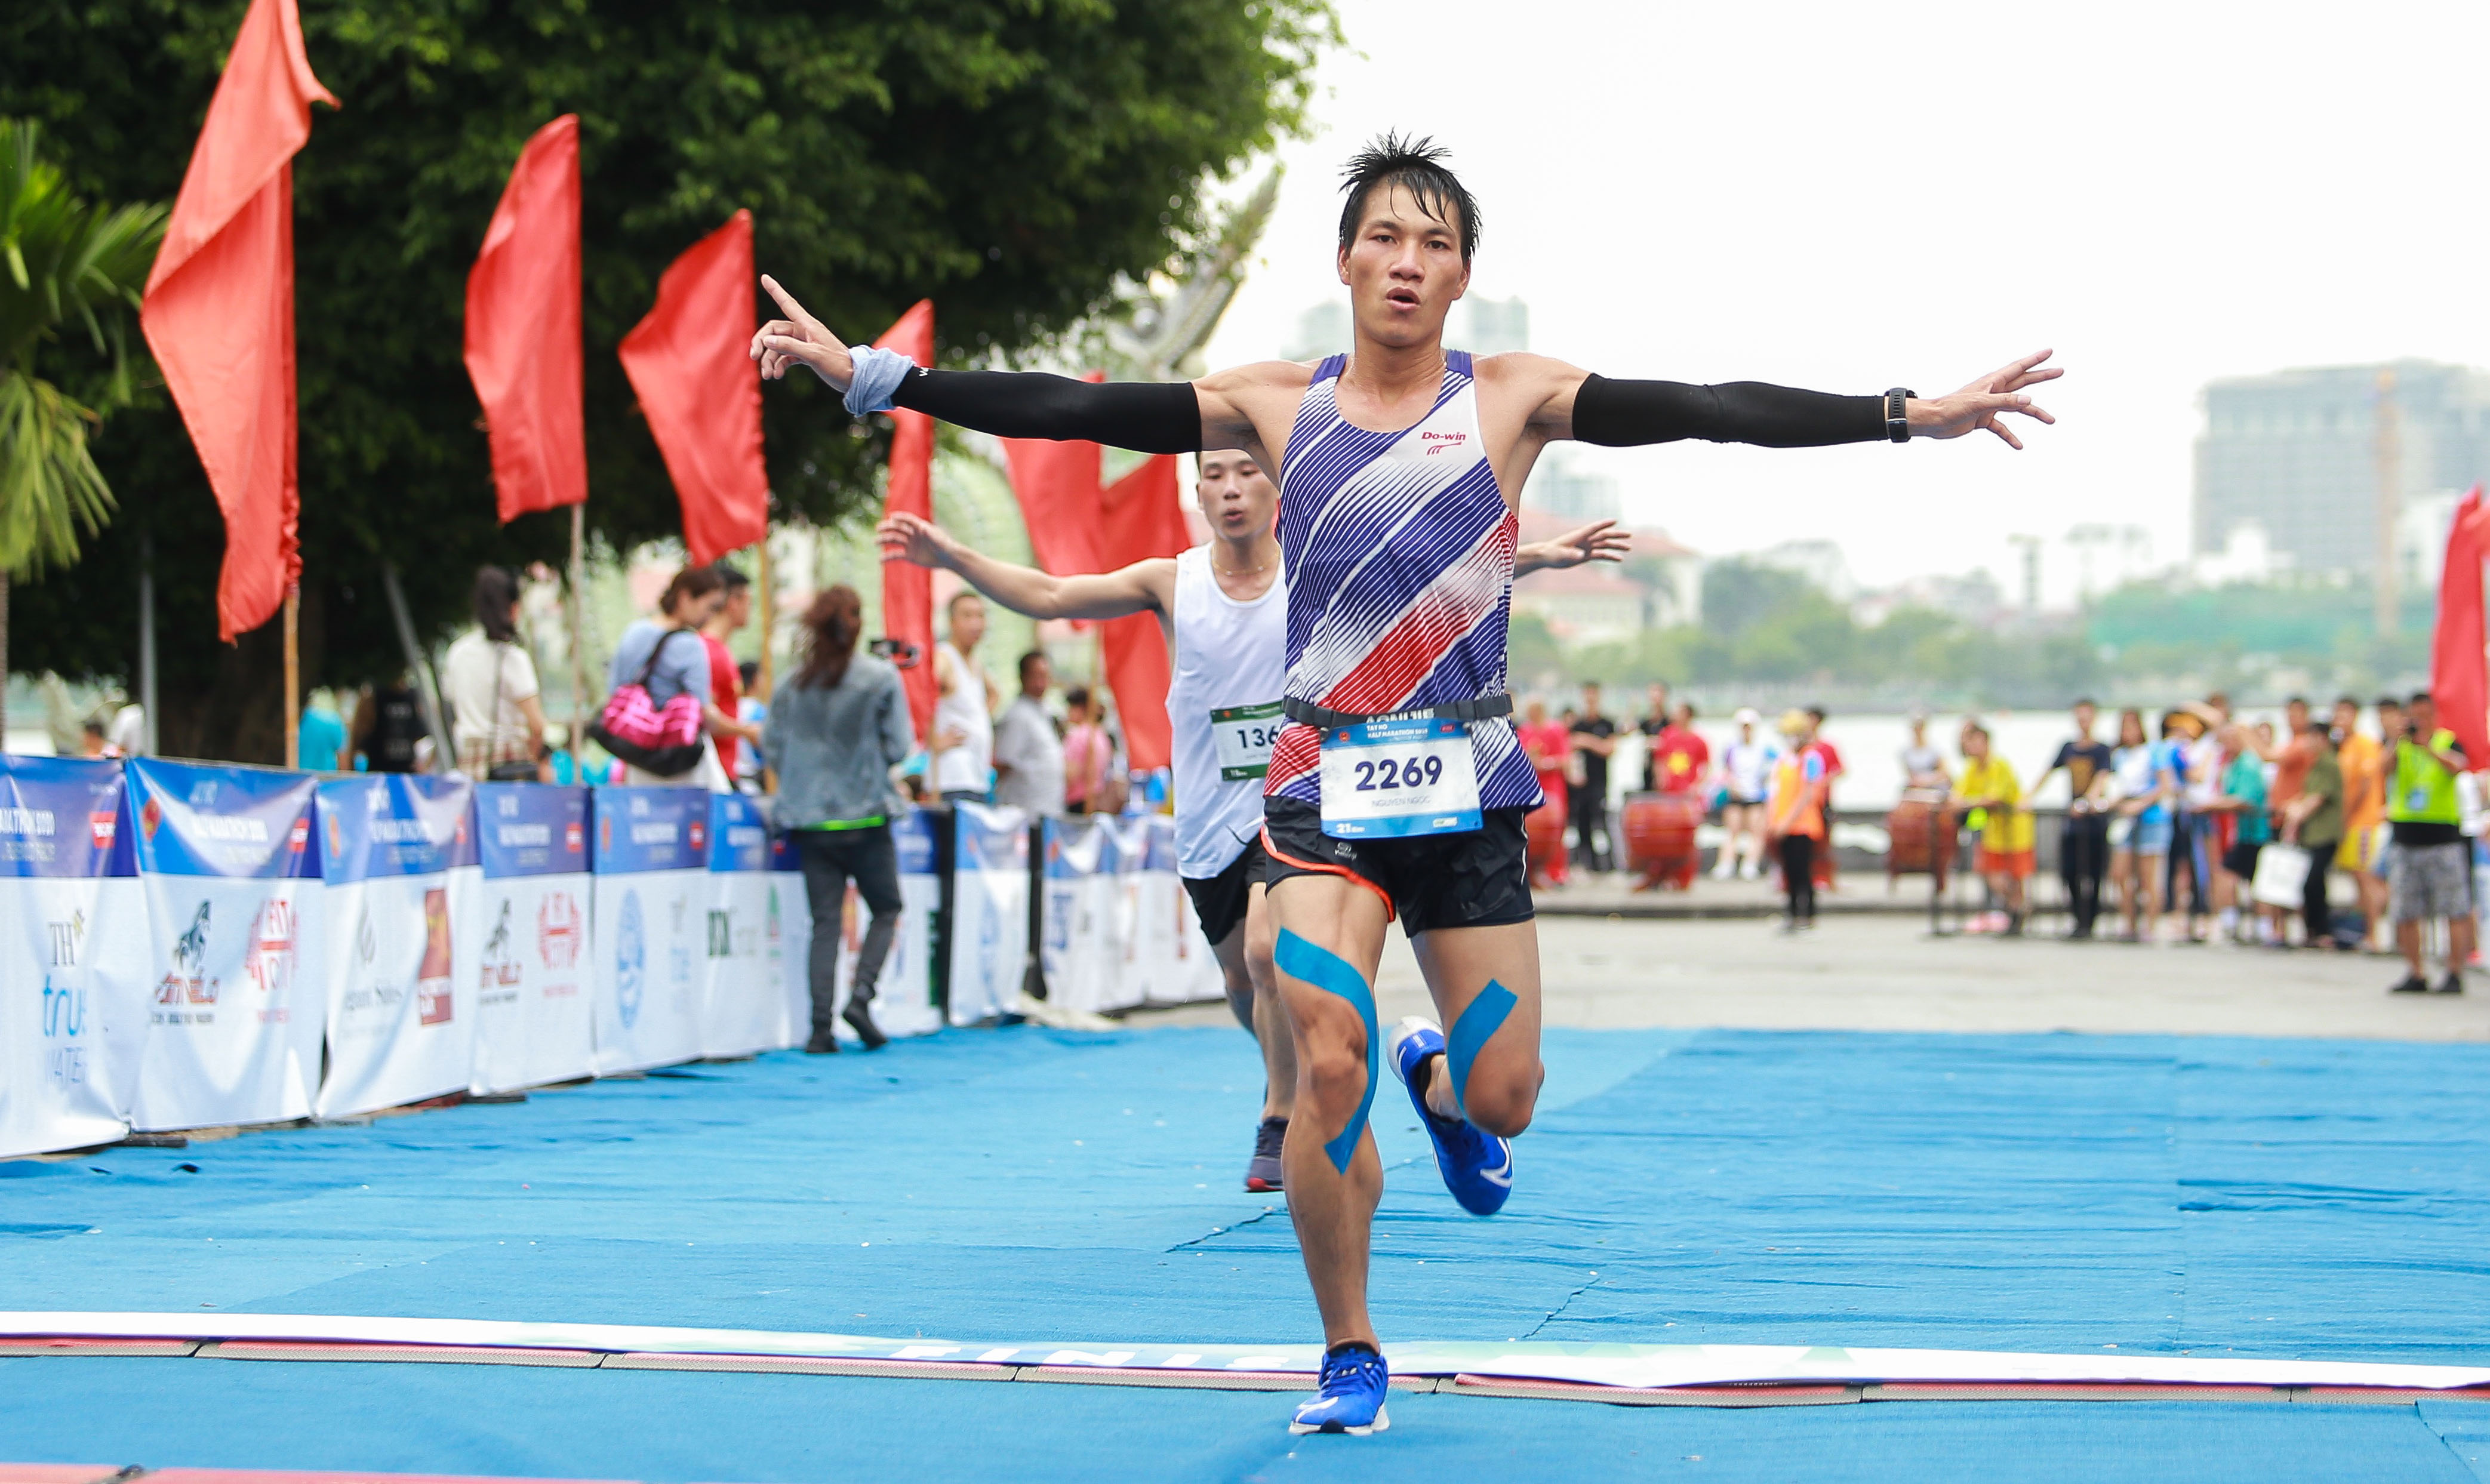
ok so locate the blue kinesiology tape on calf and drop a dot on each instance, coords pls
(1332, 973)
(1469, 1036)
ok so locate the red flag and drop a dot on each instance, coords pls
(691, 363)
(1056, 484)
(1139, 518)
(522, 341)
(907, 589)
(2459, 675)
(218, 311)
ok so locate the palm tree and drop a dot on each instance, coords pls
(66, 264)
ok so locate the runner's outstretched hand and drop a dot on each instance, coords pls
(1597, 542)
(1976, 406)
(799, 339)
(912, 538)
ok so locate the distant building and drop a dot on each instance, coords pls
(1659, 586)
(1820, 562)
(1560, 488)
(2298, 454)
(1321, 331)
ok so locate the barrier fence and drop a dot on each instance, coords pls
(194, 945)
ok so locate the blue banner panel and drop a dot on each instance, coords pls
(394, 824)
(738, 834)
(235, 822)
(650, 829)
(62, 817)
(531, 830)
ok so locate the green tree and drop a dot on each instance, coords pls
(68, 266)
(1013, 160)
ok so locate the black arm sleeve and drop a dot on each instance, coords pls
(1621, 414)
(1146, 417)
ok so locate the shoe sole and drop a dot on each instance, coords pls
(1261, 1187)
(1381, 1423)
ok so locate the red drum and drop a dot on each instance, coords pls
(1660, 838)
(1922, 831)
(1546, 829)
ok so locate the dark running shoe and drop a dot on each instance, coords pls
(2410, 984)
(1263, 1171)
(823, 1044)
(859, 1015)
(2452, 984)
(1349, 1396)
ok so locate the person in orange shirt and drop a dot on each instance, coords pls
(1549, 746)
(1680, 756)
(1794, 820)
(2363, 762)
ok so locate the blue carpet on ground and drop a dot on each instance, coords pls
(2287, 1199)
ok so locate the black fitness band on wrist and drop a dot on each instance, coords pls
(1897, 422)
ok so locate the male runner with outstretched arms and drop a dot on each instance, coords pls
(1224, 607)
(1398, 788)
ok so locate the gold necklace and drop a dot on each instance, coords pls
(1241, 572)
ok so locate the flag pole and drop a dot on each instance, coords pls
(579, 701)
(293, 680)
(766, 680)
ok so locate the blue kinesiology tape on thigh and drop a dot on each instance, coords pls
(1332, 973)
(1470, 1037)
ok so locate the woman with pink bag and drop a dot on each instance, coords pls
(659, 719)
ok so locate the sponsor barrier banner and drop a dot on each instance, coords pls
(742, 984)
(1179, 967)
(72, 955)
(989, 945)
(399, 855)
(788, 932)
(231, 872)
(652, 913)
(534, 1019)
(1086, 919)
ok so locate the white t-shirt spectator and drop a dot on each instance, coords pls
(486, 682)
(1029, 758)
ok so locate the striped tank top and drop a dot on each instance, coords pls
(1399, 562)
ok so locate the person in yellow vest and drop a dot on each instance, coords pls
(1990, 791)
(2430, 874)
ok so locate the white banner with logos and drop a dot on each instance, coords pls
(235, 1009)
(534, 1018)
(652, 922)
(989, 911)
(399, 854)
(1177, 965)
(72, 955)
(742, 984)
(1086, 918)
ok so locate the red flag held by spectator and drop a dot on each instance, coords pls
(907, 589)
(2459, 675)
(690, 361)
(218, 312)
(522, 342)
(1140, 517)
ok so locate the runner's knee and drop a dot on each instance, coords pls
(1502, 1100)
(1333, 1071)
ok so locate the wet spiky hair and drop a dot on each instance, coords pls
(1417, 165)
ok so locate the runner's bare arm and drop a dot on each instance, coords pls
(1565, 401)
(1597, 542)
(1147, 586)
(1145, 417)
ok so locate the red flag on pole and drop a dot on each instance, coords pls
(218, 312)
(690, 361)
(1056, 484)
(523, 340)
(2459, 674)
(907, 589)
(1140, 517)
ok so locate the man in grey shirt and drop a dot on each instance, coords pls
(1028, 753)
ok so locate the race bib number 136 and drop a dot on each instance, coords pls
(1243, 735)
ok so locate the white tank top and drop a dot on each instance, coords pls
(1227, 655)
(970, 766)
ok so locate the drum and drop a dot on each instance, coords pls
(1659, 831)
(1544, 827)
(1922, 830)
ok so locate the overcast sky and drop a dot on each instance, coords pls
(1848, 196)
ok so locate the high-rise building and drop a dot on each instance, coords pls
(1321, 331)
(2301, 455)
(1561, 488)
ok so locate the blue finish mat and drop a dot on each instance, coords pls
(2284, 1199)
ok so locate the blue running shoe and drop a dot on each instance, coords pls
(1349, 1396)
(1477, 1165)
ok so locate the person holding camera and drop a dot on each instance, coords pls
(497, 716)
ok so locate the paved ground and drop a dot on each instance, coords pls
(1877, 973)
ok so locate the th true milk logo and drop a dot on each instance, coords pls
(630, 960)
(188, 981)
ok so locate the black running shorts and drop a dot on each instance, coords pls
(1478, 878)
(1220, 901)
